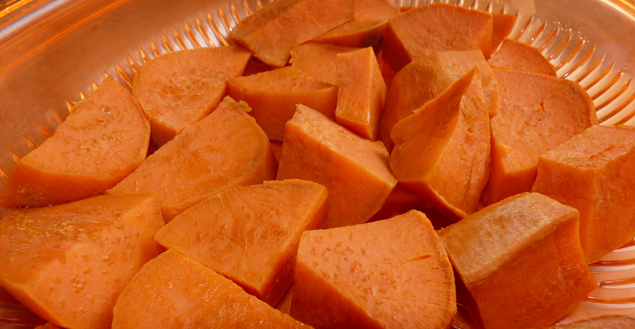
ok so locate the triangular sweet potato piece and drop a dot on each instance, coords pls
(318, 60)
(177, 89)
(393, 273)
(519, 56)
(271, 32)
(224, 150)
(502, 26)
(442, 151)
(536, 113)
(103, 141)
(273, 96)
(432, 28)
(250, 234)
(68, 263)
(354, 170)
(173, 291)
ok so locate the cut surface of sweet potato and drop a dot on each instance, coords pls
(519, 56)
(273, 96)
(592, 172)
(250, 234)
(433, 28)
(521, 261)
(536, 113)
(271, 32)
(224, 150)
(502, 26)
(96, 147)
(393, 273)
(318, 60)
(68, 263)
(442, 151)
(354, 170)
(172, 291)
(179, 88)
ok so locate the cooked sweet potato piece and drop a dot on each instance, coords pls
(521, 261)
(271, 32)
(173, 291)
(250, 234)
(502, 26)
(433, 28)
(442, 151)
(428, 77)
(68, 263)
(179, 88)
(354, 170)
(273, 96)
(224, 150)
(593, 172)
(393, 273)
(96, 147)
(519, 56)
(536, 113)
(362, 92)
(367, 27)
(318, 60)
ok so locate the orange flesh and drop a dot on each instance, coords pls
(362, 92)
(68, 263)
(519, 56)
(179, 88)
(521, 261)
(592, 173)
(536, 113)
(354, 170)
(502, 26)
(96, 147)
(388, 274)
(172, 291)
(318, 60)
(273, 96)
(250, 234)
(224, 150)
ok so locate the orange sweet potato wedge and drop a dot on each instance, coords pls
(273, 96)
(536, 113)
(179, 88)
(96, 147)
(173, 291)
(592, 172)
(519, 56)
(271, 32)
(250, 234)
(428, 77)
(367, 27)
(68, 263)
(602, 322)
(388, 274)
(442, 151)
(354, 170)
(502, 26)
(362, 92)
(224, 150)
(521, 261)
(318, 60)
(433, 28)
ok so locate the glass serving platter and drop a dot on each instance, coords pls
(54, 52)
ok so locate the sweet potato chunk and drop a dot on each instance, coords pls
(433, 28)
(521, 261)
(318, 60)
(442, 151)
(96, 147)
(250, 234)
(354, 170)
(593, 172)
(273, 96)
(271, 32)
(362, 92)
(68, 263)
(428, 77)
(536, 113)
(179, 88)
(393, 273)
(519, 56)
(172, 291)
(502, 26)
(224, 150)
